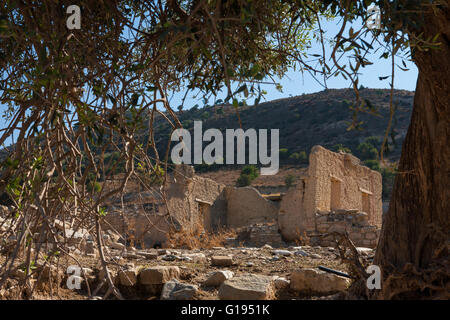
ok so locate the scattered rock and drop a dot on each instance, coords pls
(169, 257)
(88, 271)
(19, 274)
(222, 261)
(127, 277)
(131, 255)
(267, 247)
(281, 283)
(315, 256)
(247, 287)
(175, 290)
(163, 252)
(218, 277)
(158, 275)
(282, 252)
(301, 253)
(117, 246)
(184, 258)
(275, 258)
(148, 255)
(107, 239)
(194, 257)
(101, 274)
(114, 237)
(364, 251)
(317, 281)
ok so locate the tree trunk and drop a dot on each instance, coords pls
(413, 247)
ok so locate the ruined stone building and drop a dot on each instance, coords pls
(335, 193)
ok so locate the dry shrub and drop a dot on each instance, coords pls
(301, 239)
(197, 238)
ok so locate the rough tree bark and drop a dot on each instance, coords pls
(415, 234)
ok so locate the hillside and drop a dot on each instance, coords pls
(307, 120)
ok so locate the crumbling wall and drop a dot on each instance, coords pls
(208, 190)
(354, 222)
(339, 178)
(139, 228)
(260, 234)
(183, 194)
(246, 206)
(291, 215)
(336, 194)
(272, 189)
(335, 183)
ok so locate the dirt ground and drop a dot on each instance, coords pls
(260, 261)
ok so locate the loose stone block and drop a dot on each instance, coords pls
(247, 287)
(221, 261)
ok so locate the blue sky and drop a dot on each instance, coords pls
(295, 83)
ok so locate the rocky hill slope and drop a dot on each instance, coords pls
(322, 118)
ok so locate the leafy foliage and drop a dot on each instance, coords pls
(248, 174)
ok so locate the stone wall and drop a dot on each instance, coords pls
(260, 234)
(183, 195)
(272, 189)
(340, 182)
(352, 221)
(246, 206)
(292, 212)
(209, 191)
(335, 185)
(139, 228)
(335, 194)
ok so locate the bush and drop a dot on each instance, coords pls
(244, 180)
(366, 151)
(187, 124)
(251, 171)
(205, 115)
(373, 164)
(374, 141)
(94, 186)
(294, 157)
(248, 174)
(341, 148)
(303, 157)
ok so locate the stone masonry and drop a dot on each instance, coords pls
(335, 193)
